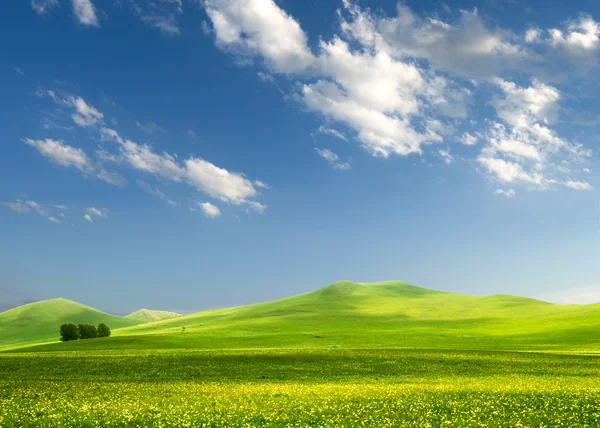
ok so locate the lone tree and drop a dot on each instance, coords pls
(68, 332)
(103, 330)
(87, 331)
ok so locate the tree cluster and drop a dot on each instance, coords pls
(70, 332)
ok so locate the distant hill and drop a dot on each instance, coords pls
(389, 314)
(149, 315)
(39, 321)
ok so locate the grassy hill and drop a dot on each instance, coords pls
(39, 322)
(388, 314)
(149, 315)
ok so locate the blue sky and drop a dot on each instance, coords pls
(182, 155)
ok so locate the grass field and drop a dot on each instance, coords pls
(336, 387)
(381, 354)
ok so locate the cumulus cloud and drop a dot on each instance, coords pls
(216, 182)
(333, 159)
(209, 209)
(85, 12)
(54, 220)
(62, 154)
(524, 148)
(88, 218)
(260, 28)
(405, 82)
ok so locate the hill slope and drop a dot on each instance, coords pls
(40, 321)
(388, 314)
(149, 315)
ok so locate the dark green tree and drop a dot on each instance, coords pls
(68, 332)
(87, 331)
(103, 330)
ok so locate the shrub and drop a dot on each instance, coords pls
(68, 332)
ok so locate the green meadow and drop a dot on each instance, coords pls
(349, 354)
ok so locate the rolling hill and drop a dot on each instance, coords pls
(388, 314)
(39, 322)
(149, 315)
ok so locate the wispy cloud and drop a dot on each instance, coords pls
(150, 127)
(333, 159)
(42, 7)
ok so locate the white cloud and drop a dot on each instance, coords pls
(41, 7)
(580, 37)
(161, 15)
(54, 220)
(580, 295)
(510, 193)
(111, 177)
(19, 71)
(150, 127)
(259, 183)
(446, 155)
(17, 206)
(85, 12)
(219, 183)
(333, 159)
(88, 218)
(37, 208)
(61, 153)
(466, 47)
(61, 207)
(97, 212)
(468, 139)
(578, 185)
(85, 115)
(209, 209)
(532, 35)
(525, 149)
(260, 27)
(257, 207)
(333, 132)
(191, 133)
(522, 106)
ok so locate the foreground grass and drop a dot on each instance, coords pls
(335, 387)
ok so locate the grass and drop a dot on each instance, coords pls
(335, 387)
(149, 315)
(349, 354)
(371, 315)
(39, 322)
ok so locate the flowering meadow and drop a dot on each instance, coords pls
(299, 388)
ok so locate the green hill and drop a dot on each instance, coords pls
(149, 315)
(39, 322)
(388, 314)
